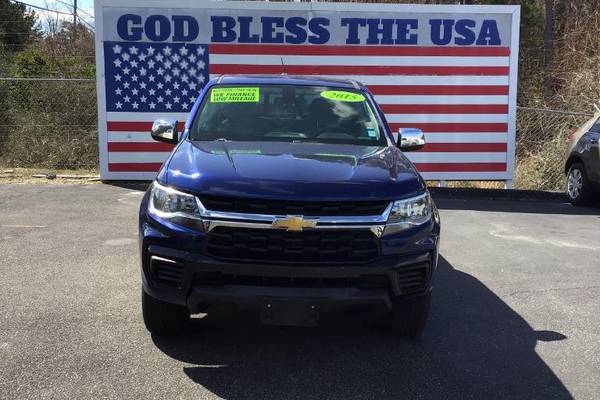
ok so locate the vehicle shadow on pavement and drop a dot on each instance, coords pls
(475, 346)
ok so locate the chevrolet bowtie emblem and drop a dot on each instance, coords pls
(294, 223)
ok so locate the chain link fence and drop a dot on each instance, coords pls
(51, 123)
(542, 145)
(48, 123)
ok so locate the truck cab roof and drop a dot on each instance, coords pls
(287, 80)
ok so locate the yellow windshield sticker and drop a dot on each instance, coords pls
(234, 95)
(341, 95)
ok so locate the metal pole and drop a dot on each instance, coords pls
(74, 13)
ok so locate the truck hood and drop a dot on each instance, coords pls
(291, 171)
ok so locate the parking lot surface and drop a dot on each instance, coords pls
(515, 313)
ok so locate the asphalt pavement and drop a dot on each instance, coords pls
(515, 313)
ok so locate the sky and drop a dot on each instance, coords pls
(85, 7)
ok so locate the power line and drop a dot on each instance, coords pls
(79, 9)
(85, 12)
(41, 8)
(49, 79)
(87, 23)
(57, 11)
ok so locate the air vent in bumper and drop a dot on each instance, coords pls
(166, 272)
(413, 278)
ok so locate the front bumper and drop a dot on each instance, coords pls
(176, 270)
(198, 281)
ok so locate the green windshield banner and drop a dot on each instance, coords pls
(234, 95)
(342, 95)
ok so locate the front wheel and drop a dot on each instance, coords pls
(578, 186)
(163, 318)
(410, 316)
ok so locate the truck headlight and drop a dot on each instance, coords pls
(175, 206)
(411, 212)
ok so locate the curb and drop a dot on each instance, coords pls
(133, 185)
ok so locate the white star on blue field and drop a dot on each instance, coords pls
(151, 77)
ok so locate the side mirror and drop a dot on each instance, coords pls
(165, 131)
(410, 139)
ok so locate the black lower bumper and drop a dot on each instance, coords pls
(198, 281)
(255, 297)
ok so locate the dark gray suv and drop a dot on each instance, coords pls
(583, 163)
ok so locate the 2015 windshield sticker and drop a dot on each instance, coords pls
(234, 95)
(341, 95)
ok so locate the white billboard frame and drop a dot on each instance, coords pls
(512, 10)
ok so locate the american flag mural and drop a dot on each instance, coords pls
(460, 96)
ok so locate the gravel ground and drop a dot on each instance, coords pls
(515, 313)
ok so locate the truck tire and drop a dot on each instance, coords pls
(163, 318)
(578, 185)
(409, 316)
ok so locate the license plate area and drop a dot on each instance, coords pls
(289, 312)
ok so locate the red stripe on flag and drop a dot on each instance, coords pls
(427, 127)
(355, 70)
(129, 126)
(461, 167)
(430, 147)
(455, 90)
(422, 167)
(445, 108)
(312, 50)
(453, 127)
(134, 167)
(140, 146)
(464, 147)
(126, 126)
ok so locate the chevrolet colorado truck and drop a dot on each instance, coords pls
(291, 197)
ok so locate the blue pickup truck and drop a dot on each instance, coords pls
(290, 197)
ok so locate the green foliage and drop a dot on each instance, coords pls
(50, 123)
(38, 63)
(31, 63)
(68, 53)
(16, 24)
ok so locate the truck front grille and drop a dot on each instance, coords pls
(279, 246)
(283, 207)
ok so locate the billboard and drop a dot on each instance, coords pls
(449, 70)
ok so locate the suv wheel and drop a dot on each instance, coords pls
(409, 316)
(578, 186)
(163, 318)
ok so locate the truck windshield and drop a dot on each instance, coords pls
(287, 113)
